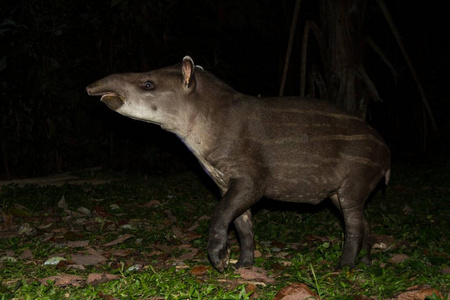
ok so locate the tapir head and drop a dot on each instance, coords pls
(159, 96)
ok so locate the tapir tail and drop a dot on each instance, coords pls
(387, 176)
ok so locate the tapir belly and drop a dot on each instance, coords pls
(297, 184)
(296, 177)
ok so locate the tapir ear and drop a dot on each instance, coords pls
(187, 68)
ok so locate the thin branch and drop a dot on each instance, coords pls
(383, 57)
(290, 44)
(394, 30)
(309, 25)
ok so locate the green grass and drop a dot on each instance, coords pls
(298, 243)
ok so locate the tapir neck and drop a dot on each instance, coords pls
(205, 115)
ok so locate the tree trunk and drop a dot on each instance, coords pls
(347, 83)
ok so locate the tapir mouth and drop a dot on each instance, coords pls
(112, 100)
(104, 88)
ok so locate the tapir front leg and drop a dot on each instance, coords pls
(244, 228)
(241, 194)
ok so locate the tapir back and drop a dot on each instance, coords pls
(307, 148)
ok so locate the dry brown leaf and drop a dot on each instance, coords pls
(76, 267)
(6, 221)
(77, 244)
(63, 280)
(419, 292)
(98, 278)
(257, 253)
(190, 254)
(445, 271)
(121, 252)
(26, 254)
(295, 291)
(254, 273)
(87, 259)
(398, 258)
(251, 288)
(150, 203)
(93, 252)
(199, 270)
(119, 240)
(170, 216)
(196, 224)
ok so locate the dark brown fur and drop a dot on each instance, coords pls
(289, 149)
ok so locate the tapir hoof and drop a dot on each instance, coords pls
(244, 262)
(342, 264)
(220, 259)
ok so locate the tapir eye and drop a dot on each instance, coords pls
(148, 85)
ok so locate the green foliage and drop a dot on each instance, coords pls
(298, 244)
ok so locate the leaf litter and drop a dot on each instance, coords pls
(72, 229)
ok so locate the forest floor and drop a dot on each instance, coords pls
(97, 234)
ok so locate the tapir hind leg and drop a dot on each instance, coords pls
(244, 228)
(356, 227)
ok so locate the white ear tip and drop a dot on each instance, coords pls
(188, 58)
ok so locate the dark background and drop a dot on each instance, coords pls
(50, 50)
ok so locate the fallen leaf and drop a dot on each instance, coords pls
(6, 221)
(64, 280)
(84, 211)
(170, 216)
(87, 260)
(26, 229)
(196, 224)
(380, 246)
(98, 278)
(419, 292)
(76, 267)
(63, 204)
(257, 253)
(251, 289)
(26, 254)
(93, 252)
(445, 271)
(177, 232)
(407, 210)
(114, 207)
(199, 270)
(254, 273)
(295, 291)
(77, 244)
(121, 252)
(119, 240)
(135, 267)
(150, 203)
(7, 259)
(380, 238)
(53, 261)
(190, 254)
(398, 258)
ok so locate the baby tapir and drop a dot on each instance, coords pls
(288, 149)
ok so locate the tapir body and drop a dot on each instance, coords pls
(288, 149)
